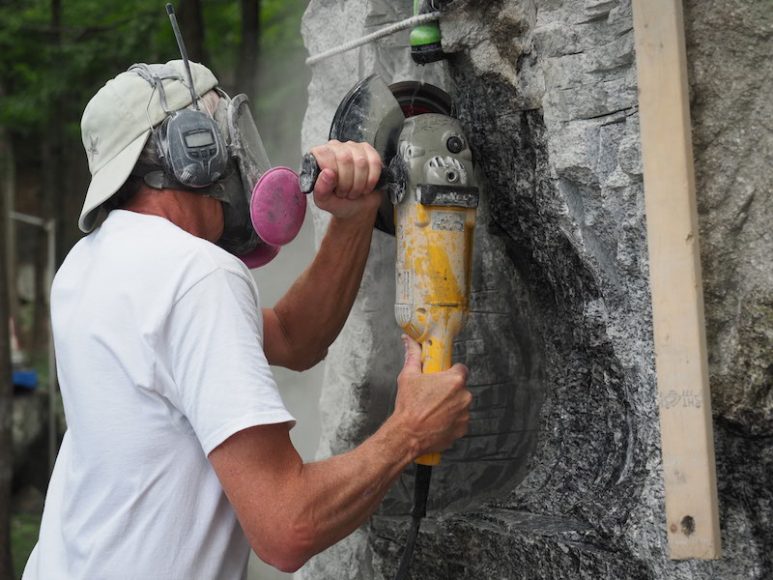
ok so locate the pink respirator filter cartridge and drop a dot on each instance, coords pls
(277, 210)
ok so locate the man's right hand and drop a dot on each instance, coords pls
(348, 175)
(434, 407)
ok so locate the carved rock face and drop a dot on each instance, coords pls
(560, 477)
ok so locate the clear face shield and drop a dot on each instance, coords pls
(245, 144)
(262, 207)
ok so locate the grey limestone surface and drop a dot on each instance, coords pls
(560, 474)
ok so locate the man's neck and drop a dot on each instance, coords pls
(197, 214)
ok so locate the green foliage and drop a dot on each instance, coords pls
(222, 21)
(281, 30)
(24, 536)
(48, 73)
(19, 65)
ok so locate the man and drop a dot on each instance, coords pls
(177, 457)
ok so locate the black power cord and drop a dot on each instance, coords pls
(419, 510)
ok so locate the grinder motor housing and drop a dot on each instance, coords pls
(435, 196)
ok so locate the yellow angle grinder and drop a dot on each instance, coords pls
(435, 204)
(435, 197)
(430, 208)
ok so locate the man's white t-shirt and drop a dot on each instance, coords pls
(159, 344)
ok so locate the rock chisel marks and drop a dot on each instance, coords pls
(560, 475)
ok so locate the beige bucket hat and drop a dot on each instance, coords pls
(117, 122)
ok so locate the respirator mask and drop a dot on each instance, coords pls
(219, 153)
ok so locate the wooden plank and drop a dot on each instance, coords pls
(684, 397)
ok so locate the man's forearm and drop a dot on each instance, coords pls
(311, 314)
(291, 511)
(342, 492)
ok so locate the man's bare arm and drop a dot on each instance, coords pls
(291, 511)
(306, 320)
(301, 326)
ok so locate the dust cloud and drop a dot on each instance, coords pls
(280, 127)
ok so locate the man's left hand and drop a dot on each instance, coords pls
(348, 174)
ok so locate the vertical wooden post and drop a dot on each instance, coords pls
(675, 280)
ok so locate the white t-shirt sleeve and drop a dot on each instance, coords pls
(222, 380)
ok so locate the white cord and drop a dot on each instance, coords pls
(386, 31)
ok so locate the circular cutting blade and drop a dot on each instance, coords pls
(417, 98)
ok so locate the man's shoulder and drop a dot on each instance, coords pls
(158, 237)
(130, 248)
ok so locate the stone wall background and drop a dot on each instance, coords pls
(560, 475)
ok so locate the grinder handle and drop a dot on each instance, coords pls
(310, 173)
(435, 357)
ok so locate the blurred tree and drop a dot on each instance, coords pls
(7, 190)
(249, 48)
(191, 21)
(52, 192)
(6, 394)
